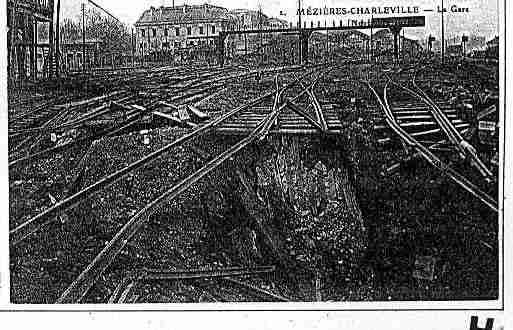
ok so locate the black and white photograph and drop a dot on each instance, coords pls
(239, 153)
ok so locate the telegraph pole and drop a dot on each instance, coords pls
(443, 33)
(58, 39)
(299, 12)
(327, 40)
(83, 38)
(402, 45)
(372, 39)
(300, 34)
(132, 42)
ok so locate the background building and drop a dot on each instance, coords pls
(170, 30)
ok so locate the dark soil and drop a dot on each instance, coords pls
(408, 215)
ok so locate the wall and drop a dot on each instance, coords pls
(154, 38)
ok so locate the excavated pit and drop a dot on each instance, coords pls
(287, 201)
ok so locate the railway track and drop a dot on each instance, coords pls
(224, 280)
(454, 136)
(430, 129)
(79, 288)
(97, 108)
(176, 87)
(424, 142)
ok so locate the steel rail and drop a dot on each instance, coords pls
(74, 105)
(24, 230)
(131, 120)
(429, 156)
(126, 286)
(454, 135)
(130, 110)
(177, 275)
(62, 113)
(79, 288)
(96, 112)
(256, 290)
(302, 113)
(318, 111)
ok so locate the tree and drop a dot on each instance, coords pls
(115, 36)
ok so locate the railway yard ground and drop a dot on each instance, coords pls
(346, 182)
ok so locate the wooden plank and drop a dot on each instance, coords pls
(420, 117)
(171, 118)
(198, 113)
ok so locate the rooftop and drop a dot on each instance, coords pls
(184, 14)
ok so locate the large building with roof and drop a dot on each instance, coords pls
(169, 29)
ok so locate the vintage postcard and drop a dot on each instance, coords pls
(249, 155)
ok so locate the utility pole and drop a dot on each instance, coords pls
(300, 34)
(372, 39)
(299, 14)
(260, 41)
(83, 38)
(36, 42)
(402, 46)
(58, 39)
(327, 41)
(133, 48)
(443, 33)
(464, 40)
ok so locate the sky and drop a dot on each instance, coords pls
(482, 18)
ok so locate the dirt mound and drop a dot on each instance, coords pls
(287, 202)
(290, 202)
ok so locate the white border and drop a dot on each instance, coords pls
(350, 306)
(4, 176)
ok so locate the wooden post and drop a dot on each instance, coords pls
(58, 39)
(443, 33)
(33, 48)
(372, 39)
(12, 50)
(83, 39)
(133, 48)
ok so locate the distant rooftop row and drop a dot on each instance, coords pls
(205, 13)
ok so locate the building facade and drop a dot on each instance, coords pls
(73, 54)
(24, 19)
(171, 30)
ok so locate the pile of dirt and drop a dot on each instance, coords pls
(290, 202)
(287, 202)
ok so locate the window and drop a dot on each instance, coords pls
(201, 30)
(177, 31)
(213, 29)
(154, 32)
(189, 30)
(165, 45)
(177, 45)
(166, 32)
(143, 33)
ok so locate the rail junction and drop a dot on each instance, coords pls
(248, 107)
